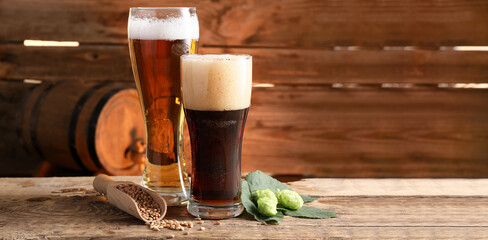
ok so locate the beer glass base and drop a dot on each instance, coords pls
(173, 199)
(214, 212)
(172, 196)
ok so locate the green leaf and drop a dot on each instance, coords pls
(252, 208)
(307, 199)
(258, 180)
(310, 212)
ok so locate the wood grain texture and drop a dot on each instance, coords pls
(367, 133)
(297, 128)
(277, 66)
(270, 23)
(392, 187)
(70, 208)
(364, 132)
(301, 66)
(86, 63)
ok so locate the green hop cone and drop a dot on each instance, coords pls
(267, 201)
(267, 206)
(289, 199)
(264, 193)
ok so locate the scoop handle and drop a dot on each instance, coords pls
(102, 182)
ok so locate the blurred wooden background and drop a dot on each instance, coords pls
(348, 88)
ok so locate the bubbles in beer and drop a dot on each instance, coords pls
(216, 82)
(149, 28)
(157, 38)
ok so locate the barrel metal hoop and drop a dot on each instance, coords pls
(35, 117)
(74, 120)
(92, 124)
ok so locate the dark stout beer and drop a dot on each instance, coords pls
(157, 39)
(216, 140)
(216, 96)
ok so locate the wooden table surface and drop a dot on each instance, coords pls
(40, 208)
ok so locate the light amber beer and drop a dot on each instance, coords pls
(216, 96)
(157, 39)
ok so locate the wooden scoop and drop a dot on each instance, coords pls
(106, 185)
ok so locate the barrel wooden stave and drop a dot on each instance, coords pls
(62, 123)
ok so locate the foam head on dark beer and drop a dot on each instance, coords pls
(216, 82)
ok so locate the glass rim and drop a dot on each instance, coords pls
(162, 8)
(218, 56)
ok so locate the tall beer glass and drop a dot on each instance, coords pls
(157, 39)
(216, 97)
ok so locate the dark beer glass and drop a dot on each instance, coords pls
(216, 98)
(157, 39)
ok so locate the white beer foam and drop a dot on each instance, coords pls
(172, 28)
(216, 82)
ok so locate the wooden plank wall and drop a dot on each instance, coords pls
(354, 88)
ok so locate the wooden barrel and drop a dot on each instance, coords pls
(95, 127)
